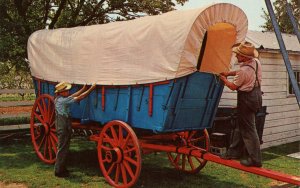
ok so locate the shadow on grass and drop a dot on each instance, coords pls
(16, 153)
(280, 151)
(155, 172)
(157, 176)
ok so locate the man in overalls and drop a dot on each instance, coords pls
(247, 82)
(62, 102)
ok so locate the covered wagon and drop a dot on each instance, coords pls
(157, 85)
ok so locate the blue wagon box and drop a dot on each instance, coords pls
(177, 105)
(158, 73)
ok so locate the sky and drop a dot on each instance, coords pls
(252, 8)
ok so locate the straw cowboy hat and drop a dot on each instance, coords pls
(245, 49)
(62, 86)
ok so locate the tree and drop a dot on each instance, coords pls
(282, 17)
(20, 18)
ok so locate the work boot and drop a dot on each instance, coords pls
(62, 174)
(231, 155)
(249, 162)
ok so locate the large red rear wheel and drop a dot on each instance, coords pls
(42, 128)
(119, 154)
(191, 139)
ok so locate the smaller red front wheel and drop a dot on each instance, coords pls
(119, 154)
(187, 163)
(42, 128)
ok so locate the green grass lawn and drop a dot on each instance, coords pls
(14, 121)
(19, 164)
(17, 97)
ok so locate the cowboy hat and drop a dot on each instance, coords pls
(245, 49)
(62, 86)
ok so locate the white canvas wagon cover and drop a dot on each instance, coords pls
(144, 50)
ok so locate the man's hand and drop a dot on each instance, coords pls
(223, 78)
(230, 85)
(84, 86)
(93, 86)
(230, 73)
(224, 74)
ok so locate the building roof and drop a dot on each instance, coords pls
(268, 40)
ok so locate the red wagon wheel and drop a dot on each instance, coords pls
(119, 154)
(42, 128)
(188, 163)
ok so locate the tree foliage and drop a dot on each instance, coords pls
(12, 79)
(282, 17)
(20, 18)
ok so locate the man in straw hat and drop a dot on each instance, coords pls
(247, 82)
(62, 102)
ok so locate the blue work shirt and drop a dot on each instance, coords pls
(62, 105)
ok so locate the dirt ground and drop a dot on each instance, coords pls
(15, 110)
(12, 185)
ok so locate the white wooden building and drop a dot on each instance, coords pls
(282, 124)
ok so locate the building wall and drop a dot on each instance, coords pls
(282, 124)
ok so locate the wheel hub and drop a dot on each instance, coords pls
(114, 156)
(46, 128)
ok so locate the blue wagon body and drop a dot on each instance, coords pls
(187, 103)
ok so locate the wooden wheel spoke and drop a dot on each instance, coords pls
(114, 134)
(53, 129)
(128, 169)
(41, 110)
(195, 147)
(198, 139)
(52, 116)
(124, 175)
(45, 146)
(106, 148)
(50, 148)
(111, 168)
(129, 150)
(117, 174)
(41, 143)
(49, 110)
(52, 120)
(177, 158)
(109, 140)
(192, 134)
(171, 158)
(131, 161)
(52, 140)
(199, 160)
(191, 162)
(44, 109)
(39, 118)
(125, 142)
(120, 135)
(37, 137)
(54, 137)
